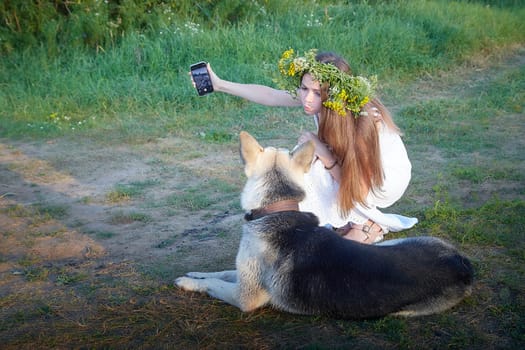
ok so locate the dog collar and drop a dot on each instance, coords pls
(284, 205)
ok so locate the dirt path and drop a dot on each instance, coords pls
(55, 206)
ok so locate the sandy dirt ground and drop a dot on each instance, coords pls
(56, 202)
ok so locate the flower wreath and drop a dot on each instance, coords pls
(345, 93)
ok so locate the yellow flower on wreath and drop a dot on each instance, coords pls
(346, 92)
(291, 70)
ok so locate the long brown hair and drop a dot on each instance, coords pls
(354, 142)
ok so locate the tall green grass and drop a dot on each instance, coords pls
(141, 83)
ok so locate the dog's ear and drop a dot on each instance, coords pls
(303, 155)
(249, 148)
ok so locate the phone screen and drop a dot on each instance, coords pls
(201, 77)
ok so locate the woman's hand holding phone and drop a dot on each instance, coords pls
(201, 78)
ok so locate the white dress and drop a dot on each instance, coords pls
(321, 190)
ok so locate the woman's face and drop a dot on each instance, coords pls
(310, 94)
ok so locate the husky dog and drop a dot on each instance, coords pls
(288, 261)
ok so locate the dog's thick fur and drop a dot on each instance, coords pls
(287, 260)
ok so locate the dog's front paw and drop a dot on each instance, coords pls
(198, 275)
(190, 284)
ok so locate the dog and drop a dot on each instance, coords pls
(286, 260)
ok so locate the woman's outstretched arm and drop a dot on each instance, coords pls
(260, 94)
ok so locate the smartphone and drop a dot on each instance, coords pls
(201, 77)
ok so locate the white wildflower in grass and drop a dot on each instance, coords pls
(193, 27)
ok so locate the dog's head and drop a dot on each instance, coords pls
(273, 174)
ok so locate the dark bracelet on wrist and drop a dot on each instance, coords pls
(331, 166)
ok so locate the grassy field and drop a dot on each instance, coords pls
(116, 178)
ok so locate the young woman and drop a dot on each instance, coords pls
(360, 163)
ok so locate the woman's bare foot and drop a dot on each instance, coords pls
(368, 233)
(343, 230)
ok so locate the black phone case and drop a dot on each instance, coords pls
(201, 77)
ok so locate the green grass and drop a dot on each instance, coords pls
(126, 192)
(465, 121)
(140, 87)
(205, 195)
(40, 212)
(103, 234)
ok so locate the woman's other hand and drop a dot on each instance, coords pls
(321, 150)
